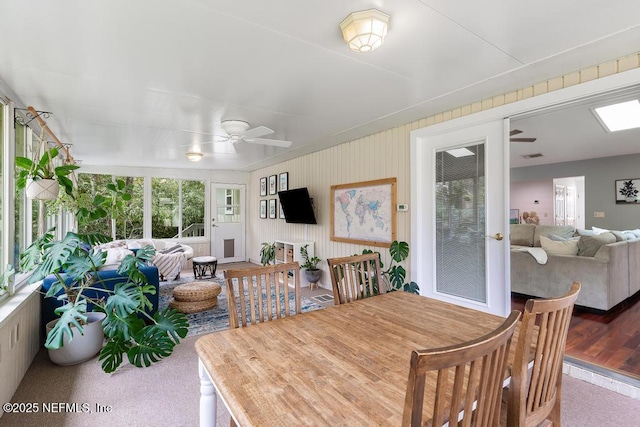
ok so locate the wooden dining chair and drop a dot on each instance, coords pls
(535, 389)
(473, 395)
(263, 293)
(355, 277)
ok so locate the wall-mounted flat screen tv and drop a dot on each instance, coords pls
(297, 207)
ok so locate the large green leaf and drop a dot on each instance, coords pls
(124, 300)
(111, 354)
(24, 163)
(412, 288)
(70, 315)
(55, 255)
(397, 273)
(153, 344)
(122, 327)
(80, 265)
(174, 323)
(31, 256)
(47, 157)
(399, 251)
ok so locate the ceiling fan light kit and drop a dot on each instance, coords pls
(366, 30)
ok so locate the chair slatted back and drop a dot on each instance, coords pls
(262, 293)
(472, 396)
(535, 391)
(355, 277)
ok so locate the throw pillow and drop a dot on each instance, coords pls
(565, 247)
(585, 232)
(589, 245)
(115, 257)
(620, 236)
(597, 231)
(114, 244)
(557, 238)
(172, 249)
(545, 230)
(521, 234)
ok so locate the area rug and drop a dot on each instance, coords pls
(216, 319)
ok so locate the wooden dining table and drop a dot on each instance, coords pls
(345, 365)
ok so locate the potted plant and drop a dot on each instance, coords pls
(40, 179)
(124, 320)
(395, 275)
(268, 253)
(310, 265)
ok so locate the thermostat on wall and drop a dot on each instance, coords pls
(403, 207)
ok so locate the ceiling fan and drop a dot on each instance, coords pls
(238, 130)
(516, 132)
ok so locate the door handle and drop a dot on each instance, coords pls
(497, 236)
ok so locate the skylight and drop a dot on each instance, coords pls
(460, 152)
(625, 115)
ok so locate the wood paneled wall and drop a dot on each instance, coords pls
(381, 155)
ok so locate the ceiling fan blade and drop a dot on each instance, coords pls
(256, 132)
(523, 139)
(515, 132)
(273, 142)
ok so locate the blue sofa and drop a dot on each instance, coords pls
(48, 306)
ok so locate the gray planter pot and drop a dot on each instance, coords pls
(81, 347)
(313, 276)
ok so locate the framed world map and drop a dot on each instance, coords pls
(364, 212)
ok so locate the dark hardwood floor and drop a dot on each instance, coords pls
(606, 339)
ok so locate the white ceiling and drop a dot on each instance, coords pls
(134, 83)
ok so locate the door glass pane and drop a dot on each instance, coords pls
(460, 223)
(227, 205)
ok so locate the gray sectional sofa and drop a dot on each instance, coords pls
(607, 266)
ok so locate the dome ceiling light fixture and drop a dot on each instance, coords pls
(365, 31)
(194, 156)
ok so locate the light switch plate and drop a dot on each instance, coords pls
(598, 214)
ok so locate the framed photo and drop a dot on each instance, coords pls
(263, 186)
(272, 208)
(272, 184)
(284, 181)
(628, 191)
(263, 209)
(281, 215)
(514, 216)
(364, 212)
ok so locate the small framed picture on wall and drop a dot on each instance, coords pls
(272, 184)
(263, 186)
(281, 215)
(272, 208)
(263, 209)
(284, 181)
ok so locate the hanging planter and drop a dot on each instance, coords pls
(41, 179)
(42, 189)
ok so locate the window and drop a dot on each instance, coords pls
(128, 222)
(177, 208)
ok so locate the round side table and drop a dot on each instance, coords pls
(203, 263)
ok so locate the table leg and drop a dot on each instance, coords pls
(208, 398)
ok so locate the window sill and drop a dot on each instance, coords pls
(11, 304)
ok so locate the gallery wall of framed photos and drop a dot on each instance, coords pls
(269, 187)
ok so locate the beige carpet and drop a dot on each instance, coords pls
(167, 394)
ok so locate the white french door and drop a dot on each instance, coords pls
(460, 215)
(228, 222)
